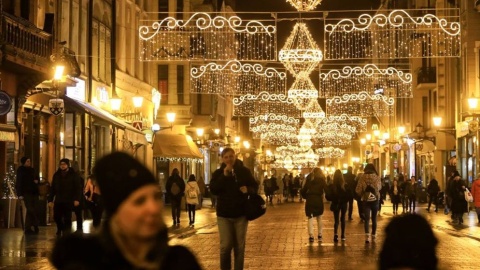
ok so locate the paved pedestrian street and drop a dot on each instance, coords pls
(278, 240)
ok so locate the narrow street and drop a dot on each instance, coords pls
(277, 240)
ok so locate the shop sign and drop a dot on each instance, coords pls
(78, 91)
(462, 129)
(5, 103)
(6, 136)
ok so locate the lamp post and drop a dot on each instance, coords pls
(150, 133)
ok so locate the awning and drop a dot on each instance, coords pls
(177, 147)
(134, 135)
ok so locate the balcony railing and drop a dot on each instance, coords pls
(427, 75)
(25, 37)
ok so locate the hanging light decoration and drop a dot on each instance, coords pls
(300, 52)
(303, 92)
(304, 5)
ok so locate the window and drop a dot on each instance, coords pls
(180, 85)
(163, 83)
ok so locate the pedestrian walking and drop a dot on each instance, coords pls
(339, 194)
(232, 183)
(411, 193)
(268, 189)
(78, 210)
(280, 190)
(357, 197)
(302, 183)
(368, 188)
(65, 194)
(433, 189)
(409, 244)
(313, 192)
(93, 197)
(175, 189)
(349, 178)
(395, 196)
(134, 235)
(401, 186)
(192, 192)
(476, 195)
(202, 187)
(448, 192)
(457, 193)
(27, 190)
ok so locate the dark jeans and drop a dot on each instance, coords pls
(233, 234)
(191, 212)
(96, 209)
(62, 214)
(404, 203)
(350, 208)
(339, 217)
(395, 207)
(432, 198)
(360, 210)
(370, 208)
(31, 201)
(79, 216)
(412, 200)
(176, 208)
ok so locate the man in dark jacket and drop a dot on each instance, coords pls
(175, 187)
(351, 183)
(27, 189)
(65, 194)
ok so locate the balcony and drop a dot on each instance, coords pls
(25, 44)
(426, 78)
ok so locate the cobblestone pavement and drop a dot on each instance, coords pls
(277, 240)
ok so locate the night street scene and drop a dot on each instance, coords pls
(239, 134)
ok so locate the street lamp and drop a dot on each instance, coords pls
(150, 134)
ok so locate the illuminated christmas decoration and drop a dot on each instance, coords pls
(361, 104)
(389, 82)
(393, 36)
(300, 52)
(304, 5)
(359, 123)
(206, 36)
(265, 103)
(303, 92)
(314, 113)
(236, 78)
(330, 152)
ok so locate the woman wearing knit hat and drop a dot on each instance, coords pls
(134, 235)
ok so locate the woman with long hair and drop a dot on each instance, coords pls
(368, 188)
(192, 192)
(313, 191)
(340, 195)
(395, 196)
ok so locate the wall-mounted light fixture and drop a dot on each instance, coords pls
(150, 133)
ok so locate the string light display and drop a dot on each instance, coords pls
(389, 82)
(300, 52)
(265, 103)
(304, 5)
(236, 78)
(203, 37)
(361, 104)
(393, 36)
(303, 92)
(359, 123)
(330, 152)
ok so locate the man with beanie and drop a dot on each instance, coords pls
(175, 189)
(134, 235)
(27, 189)
(65, 194)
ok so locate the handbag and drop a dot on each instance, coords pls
(255, 207)
(468, 195)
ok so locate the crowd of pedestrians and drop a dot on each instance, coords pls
(126, 203)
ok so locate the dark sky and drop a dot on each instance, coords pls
(282, 5)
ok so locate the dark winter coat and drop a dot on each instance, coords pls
(396, 198)
(459, 204)
(433, 188)
(181, 184)
(338, 196)
(66, 188)
(25, 184)
(313, 191)
(230, 200)
(99, 251)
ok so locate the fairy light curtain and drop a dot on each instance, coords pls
(237, 78)
(207, 36)
(370, 78)
(394, 35)
(359, 123)
(264, 103)
(273, 122)
(362, 105)
(330, 152)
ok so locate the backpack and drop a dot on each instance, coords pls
(175, 189)
(192, 193)
(369, 194)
